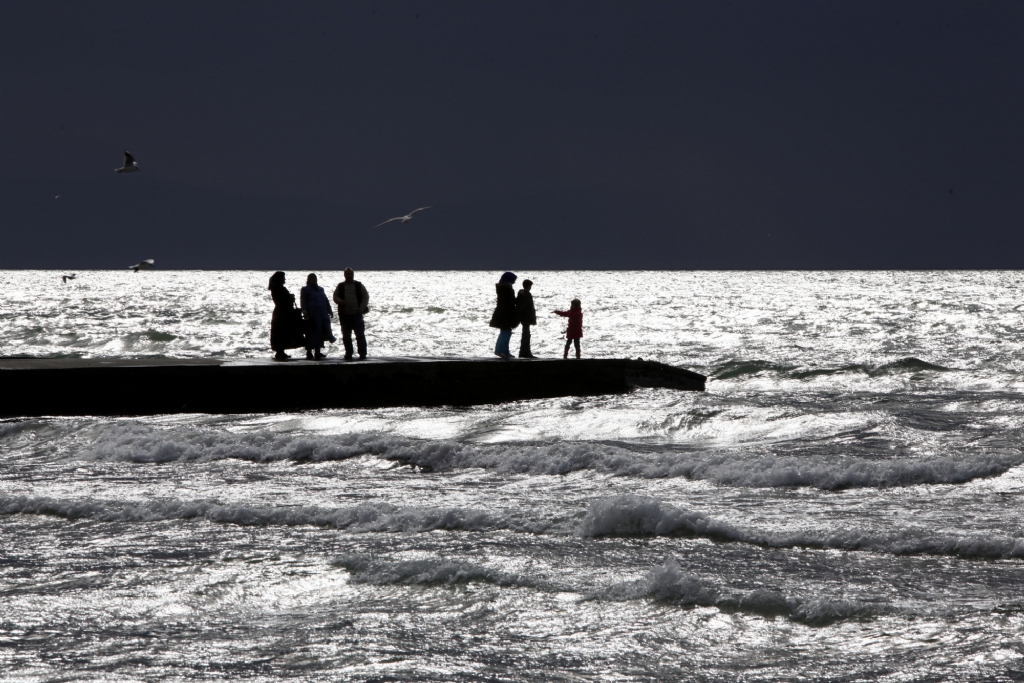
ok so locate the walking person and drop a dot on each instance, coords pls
(575, 330)
(286, 323)
(505, 317)
(316, 310)
(353, 301)
(527, 317)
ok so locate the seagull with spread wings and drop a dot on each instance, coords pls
(143, 265)
(129, 164)
(404, 219)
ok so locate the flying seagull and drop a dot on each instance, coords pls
(404, 219)
(129, 164)
(65, 278)
(142, 265)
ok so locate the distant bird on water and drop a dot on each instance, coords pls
(129, 164)
(65, 278)
(404, 219)
(142, 265)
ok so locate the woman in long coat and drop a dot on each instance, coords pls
(286, 323)
(505, 317)
(317, 312)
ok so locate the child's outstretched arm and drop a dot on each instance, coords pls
(564, 314)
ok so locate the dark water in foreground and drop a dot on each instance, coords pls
(843, 503)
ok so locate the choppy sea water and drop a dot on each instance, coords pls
(843, 503)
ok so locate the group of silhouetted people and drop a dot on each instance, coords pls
(513, 310)
(309, 325)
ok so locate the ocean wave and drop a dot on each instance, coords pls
(668, 582)
(907, 365)
(366, 517)
(726, 469)
(628, 515)
(617, 516)
(426, 571)
(833, 473)
(737, 369)
(130, 442)
(144, 444)
(14, 427)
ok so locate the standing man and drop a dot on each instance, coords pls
(353, 301)
(527, 316)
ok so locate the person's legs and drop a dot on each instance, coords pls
(501, 348)
(346, 334)
(524, 343)
(577, 343)
(318, 352)
(312, 338)
(568, 343)
(360, 329)
(322, 324)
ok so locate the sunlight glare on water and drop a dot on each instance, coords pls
(843, 503)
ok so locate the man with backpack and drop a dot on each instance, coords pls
(353, 301)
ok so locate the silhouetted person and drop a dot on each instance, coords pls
(353, 301)
(575, 331)
(317, 312)
(505, 317)
(286, 323)
(527, 316)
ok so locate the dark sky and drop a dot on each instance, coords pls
(675, 135)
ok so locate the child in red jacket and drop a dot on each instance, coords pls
(575, 331)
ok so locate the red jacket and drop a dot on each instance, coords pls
(575, 316)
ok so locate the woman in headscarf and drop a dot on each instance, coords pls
(317, 312)
(505, 317)
(286, 323)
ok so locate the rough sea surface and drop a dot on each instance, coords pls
(845, 502)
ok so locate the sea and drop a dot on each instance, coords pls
(845, 502)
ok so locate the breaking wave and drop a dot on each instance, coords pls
(13, 427)
(426, 572)
(617, 516)
(629, 515)
(366, 517)
(145, 444)
(669, 583)
(738, 369)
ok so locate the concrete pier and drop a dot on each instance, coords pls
(35, 387)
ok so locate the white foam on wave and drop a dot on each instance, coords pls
(11, 428)
(131, 442)
(31, 428)
(616, 516)
(366, 517)
(629, 515)
(668, 582)
(426, 571)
